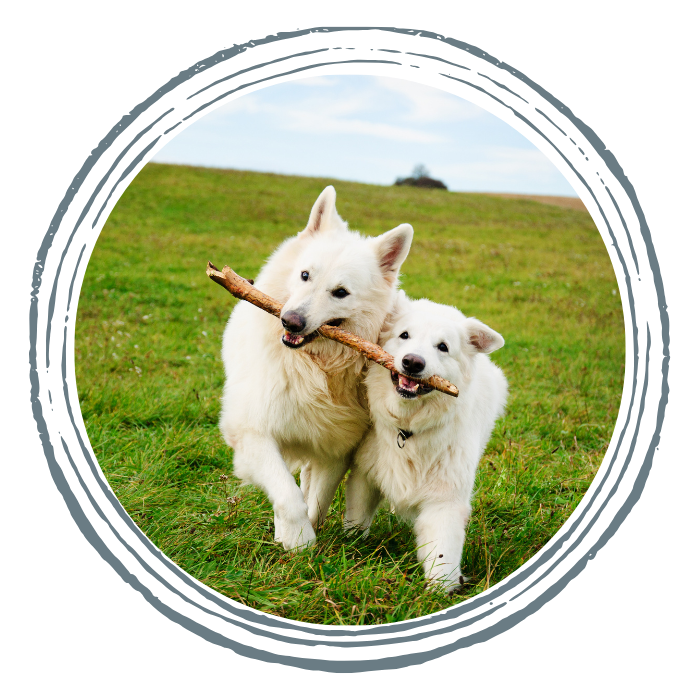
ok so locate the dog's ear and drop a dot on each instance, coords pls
(323, 214)
(391, 249)
(481, 337)
(399, 307)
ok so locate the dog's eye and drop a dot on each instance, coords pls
(442, 347)
(404, 335)
(305, 275)
(340, 293)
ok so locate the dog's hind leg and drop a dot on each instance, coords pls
(362, 498)
(320, 482)
(439, 533)
(258, 461)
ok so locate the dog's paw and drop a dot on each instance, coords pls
(455, 585)
(354, 528)
(294, 534)
(446, 584)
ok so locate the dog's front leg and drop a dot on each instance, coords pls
(320, 481)
(362, 499)
(258, 461)
(439, 533)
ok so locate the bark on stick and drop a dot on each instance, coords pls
(241, 288)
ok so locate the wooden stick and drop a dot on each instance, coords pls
(241, 288)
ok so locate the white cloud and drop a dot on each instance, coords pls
(254, 102)
(318, 122)
(247, 104)
(335, 105)
(429, 104)
(328, 114)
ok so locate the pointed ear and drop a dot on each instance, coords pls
(481, 337)
(391, 249)
(323, 214)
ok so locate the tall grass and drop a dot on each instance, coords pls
(150, 378)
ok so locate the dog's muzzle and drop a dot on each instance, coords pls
(294, 324)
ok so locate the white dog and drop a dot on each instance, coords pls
(293, 400)
(424, 447)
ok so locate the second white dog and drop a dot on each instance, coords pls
(423, 450)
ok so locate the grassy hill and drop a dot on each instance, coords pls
(149, 377)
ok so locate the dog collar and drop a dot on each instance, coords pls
(402, 437)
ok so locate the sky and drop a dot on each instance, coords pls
(367, 129)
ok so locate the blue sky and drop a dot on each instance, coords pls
(367, 129)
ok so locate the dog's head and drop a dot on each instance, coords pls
(426, 338)
(340, 277)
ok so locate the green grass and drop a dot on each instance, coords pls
(149, 378)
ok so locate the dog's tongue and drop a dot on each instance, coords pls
(406, 383)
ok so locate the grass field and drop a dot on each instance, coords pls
(149, 378)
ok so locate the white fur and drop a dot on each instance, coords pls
(430, 480)
(289, 408)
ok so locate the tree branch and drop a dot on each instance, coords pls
(242, 288)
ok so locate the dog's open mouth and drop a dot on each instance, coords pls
(409, 388)
(292, 340)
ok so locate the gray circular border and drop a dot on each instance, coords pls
(58, 272)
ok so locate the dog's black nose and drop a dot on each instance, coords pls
(413, 364)
(293, 321)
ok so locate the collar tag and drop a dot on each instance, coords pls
(402, 437)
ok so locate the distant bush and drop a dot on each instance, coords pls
(420, 177)
(421, 182)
